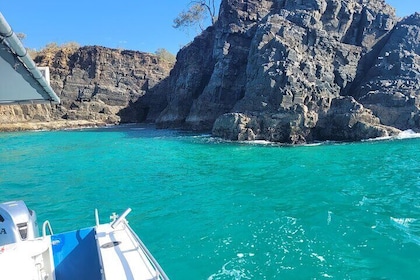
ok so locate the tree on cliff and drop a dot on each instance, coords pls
(196, 14)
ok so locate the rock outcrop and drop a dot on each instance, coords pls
(289, 71)
(96, 85)
(391, 87)
(299, 71)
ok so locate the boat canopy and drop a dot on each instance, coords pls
(21, 82)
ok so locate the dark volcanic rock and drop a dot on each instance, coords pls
(298, 71)
(209, 78)
(290, 71)
(188, 81)
(391, 87)
(348, 120)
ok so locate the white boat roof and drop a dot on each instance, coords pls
(21, 82)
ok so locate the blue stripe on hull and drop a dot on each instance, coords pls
(76, 255)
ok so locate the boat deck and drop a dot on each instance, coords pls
(26, 260)
(122, 255)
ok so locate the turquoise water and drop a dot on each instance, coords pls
(209, 209)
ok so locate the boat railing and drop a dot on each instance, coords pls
(120, 218)
(46, 225)
(158, 269)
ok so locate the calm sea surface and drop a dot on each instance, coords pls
(209, 209)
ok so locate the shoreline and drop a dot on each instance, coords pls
(81, 124)
(51, 125)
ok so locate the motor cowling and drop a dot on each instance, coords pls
(17, 223)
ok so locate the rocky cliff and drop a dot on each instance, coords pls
(299, 71)
(289, 71)
(97, 86)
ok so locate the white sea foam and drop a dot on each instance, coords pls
(406, 134)
(320, 258)
(206, 135)
(329, 217)
(313, 144)
(402, 222)
(261, 142)
(228, 270)
(410, 226)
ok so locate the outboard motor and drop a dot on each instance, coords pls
(17, 223)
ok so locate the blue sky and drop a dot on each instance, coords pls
(143, 25)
